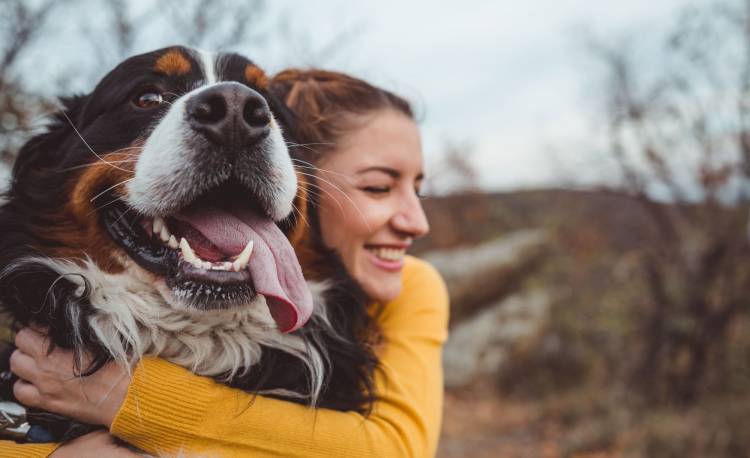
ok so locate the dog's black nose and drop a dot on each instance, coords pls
(230, 114)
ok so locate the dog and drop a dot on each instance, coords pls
(159, 215)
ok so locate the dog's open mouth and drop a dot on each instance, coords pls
(217, 252)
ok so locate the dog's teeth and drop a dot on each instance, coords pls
(173, 244)
(227, 266)
(187, 252)
(164, 234)
(241, 262)
(158, 225)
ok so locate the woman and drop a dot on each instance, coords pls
(363, 144)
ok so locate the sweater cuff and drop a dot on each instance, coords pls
(164, 408)
(9, 449)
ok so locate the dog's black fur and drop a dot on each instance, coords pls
(35, 294)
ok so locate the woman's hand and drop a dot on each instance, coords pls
(93, 445)
(48, 381)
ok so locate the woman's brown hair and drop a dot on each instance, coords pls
(326, 105)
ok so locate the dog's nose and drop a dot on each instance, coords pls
(230, 114)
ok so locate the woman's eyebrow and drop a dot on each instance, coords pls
(387, 170)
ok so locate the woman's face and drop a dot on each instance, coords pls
(369, 202)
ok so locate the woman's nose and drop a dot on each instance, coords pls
(411, 218)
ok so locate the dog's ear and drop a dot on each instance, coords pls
(284, 116)
(41, 151)
(292, 225)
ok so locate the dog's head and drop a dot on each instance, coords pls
(174, 168)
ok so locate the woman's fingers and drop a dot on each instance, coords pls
(23, 365)
(26, 393)
(50, 381)
(31, 342)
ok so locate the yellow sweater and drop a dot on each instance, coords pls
(168, 409)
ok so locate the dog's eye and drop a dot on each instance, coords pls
(148, 99)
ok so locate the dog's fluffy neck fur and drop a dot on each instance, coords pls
(131, 320)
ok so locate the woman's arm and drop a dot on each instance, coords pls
(9, 449)
(168, 408)
(98, 444)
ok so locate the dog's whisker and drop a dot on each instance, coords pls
(301, 215)
(105, 205)
(86, 143)
(313, 192)
(356, 207)
(123, 214)
(126, 148)
(317, 176)
(307, 146)
(315, 186)
(111, 188)
(311, 143)
(83, 166)
(311, 166)
(316, 169)
(131, 160)
(129, 148)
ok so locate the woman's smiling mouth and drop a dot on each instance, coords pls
(387, 257)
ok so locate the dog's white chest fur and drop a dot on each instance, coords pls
(133, 320)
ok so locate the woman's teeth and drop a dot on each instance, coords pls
(388, 254)
(239, 262)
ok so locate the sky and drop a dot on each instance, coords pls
(512, 80)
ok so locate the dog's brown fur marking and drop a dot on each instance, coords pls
(256, 77)
(173, 63)
(83, 235)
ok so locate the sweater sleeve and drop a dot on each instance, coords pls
(10, 449)
(168, 409)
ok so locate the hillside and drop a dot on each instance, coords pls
(468, 219)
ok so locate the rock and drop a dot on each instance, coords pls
(479, 345)
(480, 275)
(458, 263)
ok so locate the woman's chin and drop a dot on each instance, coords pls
(384, 296)
(381, 287)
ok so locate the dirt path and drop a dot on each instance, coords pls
(479, 424)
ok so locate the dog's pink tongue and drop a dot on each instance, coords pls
(273, 265)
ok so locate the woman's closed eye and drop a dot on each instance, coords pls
(377, 189)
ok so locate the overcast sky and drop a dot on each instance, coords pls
(512, 78)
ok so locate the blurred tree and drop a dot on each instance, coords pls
(111, 30)
(455, 175)
(679, 131)
(455, 172)
(20, 25)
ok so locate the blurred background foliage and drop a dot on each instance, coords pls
(642, 345)
(606, 321)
